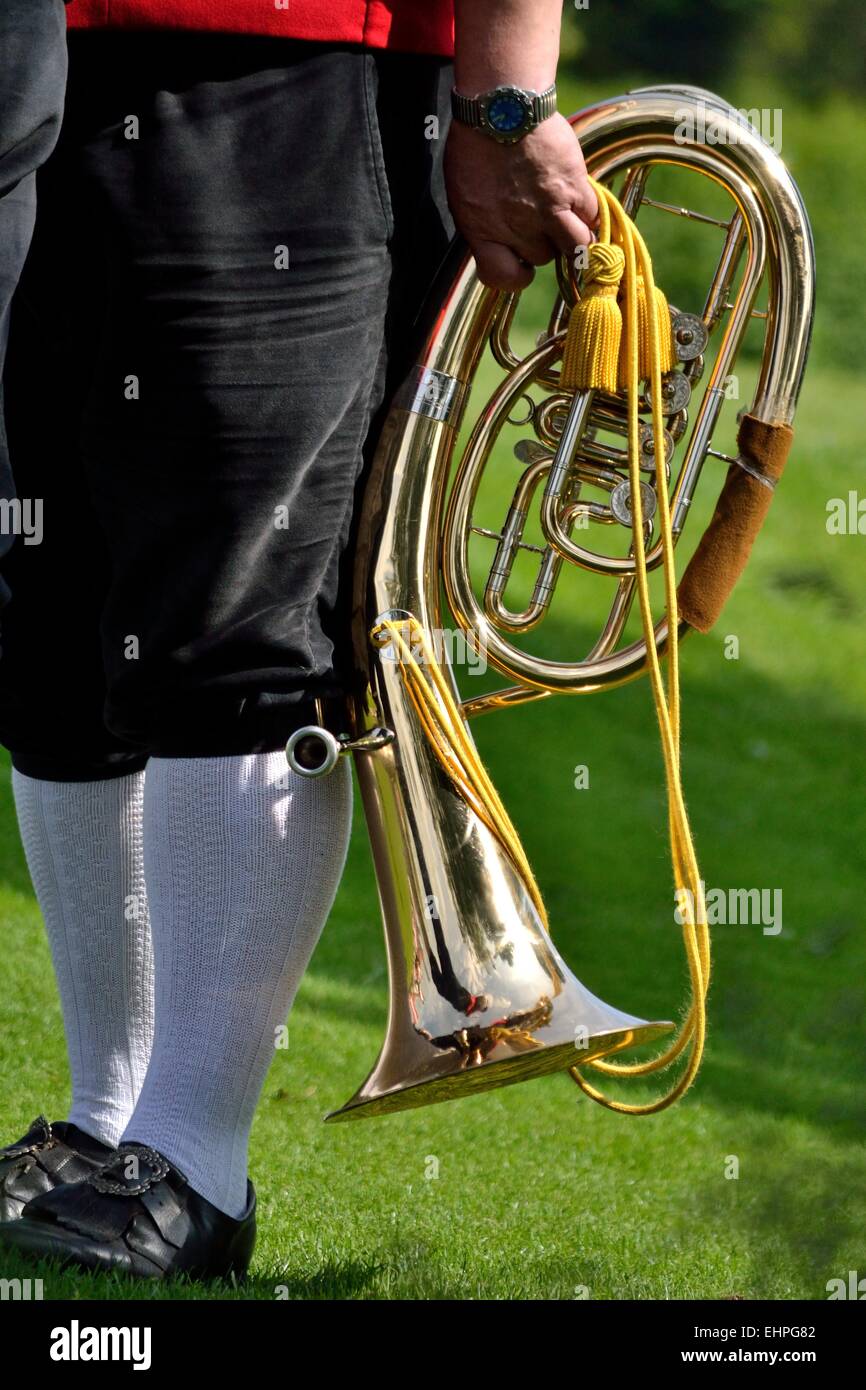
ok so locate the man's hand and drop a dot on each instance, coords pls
(519, 203)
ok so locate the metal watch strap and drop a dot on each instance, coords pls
(544, 104)
(468, 111)
(465, 109)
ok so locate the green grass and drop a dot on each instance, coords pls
(540, 1193)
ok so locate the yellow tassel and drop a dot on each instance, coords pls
(591, 353)
(667, 355)
(667, 347)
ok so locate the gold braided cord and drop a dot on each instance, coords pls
(692, 1033)
(443, 723)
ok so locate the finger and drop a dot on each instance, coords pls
(499, 267)
(529, 244)
(567, 231)
(585, 204)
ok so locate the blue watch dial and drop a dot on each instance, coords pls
(506, 114)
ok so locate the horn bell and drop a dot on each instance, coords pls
(479, 995)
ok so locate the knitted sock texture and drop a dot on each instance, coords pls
(242, 861)
(83, 842)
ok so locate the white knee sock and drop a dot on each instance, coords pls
(242, 860)
(83, 842)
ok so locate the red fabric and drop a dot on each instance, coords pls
(416, 26)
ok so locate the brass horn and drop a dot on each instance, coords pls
(479, 995)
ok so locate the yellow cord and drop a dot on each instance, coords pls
(444, 726)
(443, 723)
(692, 1033)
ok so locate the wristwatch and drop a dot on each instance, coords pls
(506, 114)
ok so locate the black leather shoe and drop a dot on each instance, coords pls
(137, 1214)
(46, 1157)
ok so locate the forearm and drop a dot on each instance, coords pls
(506, 41)
(517, 203)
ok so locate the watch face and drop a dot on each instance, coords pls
(507, 111)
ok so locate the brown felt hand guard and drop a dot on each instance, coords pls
(743, 503)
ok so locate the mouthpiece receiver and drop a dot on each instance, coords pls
(313, 751)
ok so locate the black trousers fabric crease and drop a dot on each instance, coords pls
(32, 80)
(232, 238)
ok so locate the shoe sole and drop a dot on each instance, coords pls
(78, 1251)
